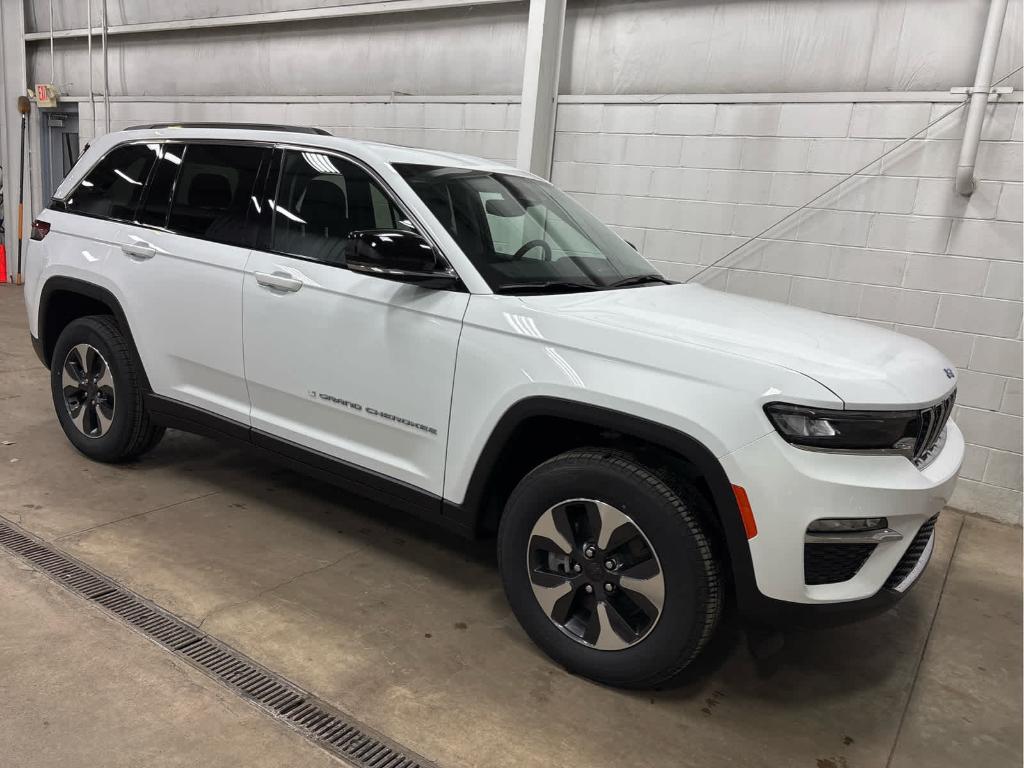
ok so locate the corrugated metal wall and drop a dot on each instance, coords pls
(611, 47)
(687, 125)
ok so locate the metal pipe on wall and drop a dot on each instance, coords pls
(106, 79)
(965, 182)
(53, 75)
(92, 90)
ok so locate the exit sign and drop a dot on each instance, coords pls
(46, 95)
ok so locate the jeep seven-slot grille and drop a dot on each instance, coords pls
(834, 563)
(913, 554)
(933, 421)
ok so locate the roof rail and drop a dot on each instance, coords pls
(236, 126)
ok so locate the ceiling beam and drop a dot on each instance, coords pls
(271, 17)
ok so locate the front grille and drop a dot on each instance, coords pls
(833, 563)
(913, 553)
(932, 425)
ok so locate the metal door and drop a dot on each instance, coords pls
(59, 149)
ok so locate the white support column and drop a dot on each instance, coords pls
(14, 84)
(540, 85)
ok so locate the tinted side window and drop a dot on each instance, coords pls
(112, 189)
(213, 196)
(161, 182)
(457, 207)
(321, 199)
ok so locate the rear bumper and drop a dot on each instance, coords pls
(788, 488)
(37, 345)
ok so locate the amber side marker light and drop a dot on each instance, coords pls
(746, 513)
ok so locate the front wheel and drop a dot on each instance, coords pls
(607, 568)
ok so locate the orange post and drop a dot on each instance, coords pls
(21, 227)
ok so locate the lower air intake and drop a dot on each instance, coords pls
(834, 563)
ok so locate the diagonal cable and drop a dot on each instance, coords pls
(839, 183)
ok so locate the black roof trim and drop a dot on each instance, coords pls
(236, 126)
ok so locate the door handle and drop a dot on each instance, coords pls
(140, 252)
(277, 282)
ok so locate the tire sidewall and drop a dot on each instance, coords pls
(680, 629)
(110, 445)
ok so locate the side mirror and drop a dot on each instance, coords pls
(397, 254)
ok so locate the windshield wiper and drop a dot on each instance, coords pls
(551, 286)
(641, 280)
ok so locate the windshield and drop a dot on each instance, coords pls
(524, 235)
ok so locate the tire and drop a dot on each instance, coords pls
(648, 648)
(113, 424)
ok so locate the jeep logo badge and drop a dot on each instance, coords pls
(949, 373)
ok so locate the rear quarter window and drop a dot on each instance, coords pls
(112, 189)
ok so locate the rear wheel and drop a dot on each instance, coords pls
(607, 568)
(94, 380)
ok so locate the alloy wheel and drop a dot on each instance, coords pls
(595, 574)
(88, 389)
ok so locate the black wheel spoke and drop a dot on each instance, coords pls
(564, 607)
(647, 568)
(565, 527)
(72, 373)
(606, 630)
(89, 362)
(594, 524)
(621, 538)
(550, 589)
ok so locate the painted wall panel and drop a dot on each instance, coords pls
(756, 46)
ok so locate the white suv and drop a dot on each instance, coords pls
(463, 340)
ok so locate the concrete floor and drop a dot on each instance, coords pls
(406, 628)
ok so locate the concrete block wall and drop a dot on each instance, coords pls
(467, 125)
(895, 245)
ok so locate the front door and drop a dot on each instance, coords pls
(352, 366)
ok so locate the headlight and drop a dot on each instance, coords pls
(824, 429)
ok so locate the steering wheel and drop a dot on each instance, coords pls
(525, 248)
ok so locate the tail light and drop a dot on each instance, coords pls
(40, 229)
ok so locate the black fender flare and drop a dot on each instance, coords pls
(62, 284)
(660, 435)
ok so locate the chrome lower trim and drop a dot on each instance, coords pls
(853, 537)
(922, 561)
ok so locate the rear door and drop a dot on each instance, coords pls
(349, 365)
(185, 253)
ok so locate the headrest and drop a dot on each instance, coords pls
(209, 190)
(324, 205)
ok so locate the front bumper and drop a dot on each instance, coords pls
(788, 488)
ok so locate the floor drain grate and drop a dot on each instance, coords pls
(333, 730)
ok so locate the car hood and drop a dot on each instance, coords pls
(864, 365)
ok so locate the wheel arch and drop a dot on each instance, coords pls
(64, 299)
(537, 428)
